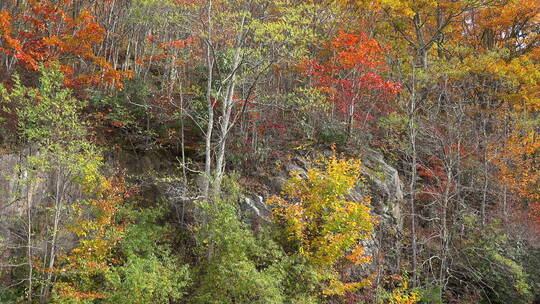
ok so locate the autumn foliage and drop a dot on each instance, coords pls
(98, 234)
(207, 105)
(50, 31)
(352, 77)
(317, 214)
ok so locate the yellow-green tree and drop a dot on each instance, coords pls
(326, 225)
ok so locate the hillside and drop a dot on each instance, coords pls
(258, 151)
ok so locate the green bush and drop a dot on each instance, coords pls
(150, 273)
(331, 134)
(10, 295)
(500, 265)
(142, 267)
(235, 267)
(149, 279)
(431, 294)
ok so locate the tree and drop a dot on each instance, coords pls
(49, 120)
(352, 77)
(326, 226)
(235, 59)
(43, 33)
(81, 271)
(245, 267)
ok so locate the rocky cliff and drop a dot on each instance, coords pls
(381, 182)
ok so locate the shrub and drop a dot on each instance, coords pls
(325, 225)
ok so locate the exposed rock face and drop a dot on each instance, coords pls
(255, 204)
(9, 185)
(16, 192)
(21, 192)
(386, 191)
(381, 182)
(385, 187)
(255, 211)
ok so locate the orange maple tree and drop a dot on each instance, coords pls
(97, 236)
(353, 78)
(518, 170)
(45, 33)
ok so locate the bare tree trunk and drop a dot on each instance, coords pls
(228, 105)
(56, 225)
(182, 139)
(29, 194)
(210, 106)
(439, 38)
(485, 169)
(412, 182)
(485, 189)
(225, 120)
(351, 120)
(446, 222)
(226, 125)
(421, 48)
